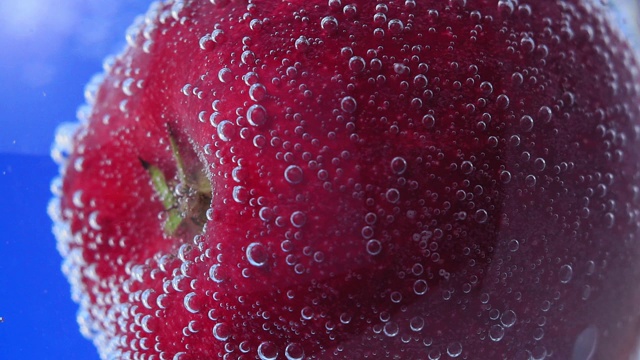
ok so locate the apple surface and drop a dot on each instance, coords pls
(411, 179)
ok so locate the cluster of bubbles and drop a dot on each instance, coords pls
(406, 190)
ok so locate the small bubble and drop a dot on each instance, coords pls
(513, 245)
(214, 273)
(429, 121)
(350, 10)
(544, 114)
(191, 303)
(526, 123)
(496, 332)
(508, 318)
(391, 329)
(420, 81)
(329, 24)
(416, 323)
(298, 219)
(530, 180)
(486, 88)
(93, 220)
(395, 26)
(398, 165)
(221, 331)
(348, 104)
(257, 254)
(267, 351)
(502, 101)
(374, 247)
(528, 44)
(226, 130)
(565, 273)
(420, 287)
(481, 216)
(257, 115)
(392, 195)
(248, 57)
(454, 349)
(206, 43)
(505, 176)
(293, 174)
(257, 92)
(357, 64)
(466, 167)
(127, 86)
(225, 75)
(218, 36)
(240, 194)
(265, 214)
(294, 351)
(301, 43)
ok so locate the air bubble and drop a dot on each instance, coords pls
(513, 245)
(357, 64)
(496, 332)
(565, 273)
(416, 323)
(127, 86)
(240, 194)
(225, 75)
(301, 43)
(398, 165)
(329, 24)
(429, 121)
(486, 88)
(420, 81)
(526, 123)
(293, 174)
(298, 219)
(374, 247)
(267, 351)
(392, 195)
(454, 349)
(257, 254)
(248, 57)
(214, 273)
(391, 329)
(395, 26)
(257, 92)
(294, 351)
(348, 104)
(481, 216)
(226, 130)
(93, 221)
(218, 36)
(221, 331)
(420, 287)
(544, 114)
(503, 101)
(191, 303)
(257, 115)
(508, 318)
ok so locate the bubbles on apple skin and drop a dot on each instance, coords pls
(392, 167)
(257, 254)
(565, 273)
(267, 351)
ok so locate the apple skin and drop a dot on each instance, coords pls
(397, 180)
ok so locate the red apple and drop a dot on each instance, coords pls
(415, 179)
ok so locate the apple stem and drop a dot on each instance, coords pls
(169, 201)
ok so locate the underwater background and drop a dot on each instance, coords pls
(48, 51)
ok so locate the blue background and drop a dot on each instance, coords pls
(49, 50)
